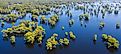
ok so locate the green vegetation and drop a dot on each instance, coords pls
(84, 16)
(102, 24)
(52, 42)
(43, 19)
(64, 41)
(80, 7)
(12, 39)
(72, 36)
(53, 20)
(2, 24)
(66, 33)
(71, 21)
(13, 12)
(30, 35)
(18, 29)
(111, 41)
(34, 18)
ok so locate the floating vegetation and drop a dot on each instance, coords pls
(71, 21)
(103, 11)
(102, 24)
(53, 20)
(11, 17)
(34, 18)
(39, 40)
(4, 11)
(17, 29)
(35, 12)
(80, 7)
(31, 19)
(72, 36)
(52, 42)
(2, 24)
(29, 37)
(12, 39)
(84, 16)
(25, 27)
(36, 34)
(69, 14)
(111, 42)
(66, 33)
(64, 41)
(43, 19)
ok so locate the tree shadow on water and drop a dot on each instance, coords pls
(112, 50)
(29, 45)
(13, 45)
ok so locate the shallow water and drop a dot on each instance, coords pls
(83, 43)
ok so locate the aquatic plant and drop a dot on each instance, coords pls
(67, 12)
(64, 41)
(102, 24)
(80, 7)
(34, 18)
(66, 33)
(103, 11)
(2, 24)
(25, 27)
(21, 15)
(20, 28)
(35, 11)
(49, 46)
(5, 11)
(52, 23)
(11, 17)
(72, 36)
(84, 16)
(52, 42)
(81, 17)
(29, 37)
(105, 36)
(95, 12)
(5, 35)
(37, 33)
(61, 41)
(12, 39)
(39, 40)
(53, 20)
(43, 19)
(71, 21)
(111, 41)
